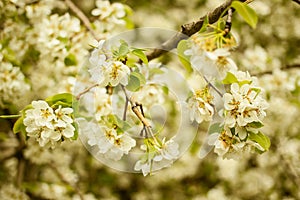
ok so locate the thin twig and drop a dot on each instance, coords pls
(125, 109)
(86, 90)
(190, 29)
(213, 87)
(134, 106)
(85, 20)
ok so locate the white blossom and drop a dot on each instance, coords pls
(114, 73)
(149, 94)
(48, 125)
(200, 107)
(243, 106)
(158, 156)
(111, 144)
(169, 150)
(13, 85)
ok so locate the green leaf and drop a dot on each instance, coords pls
(204, 25)
(215, 128)
(155, 71)
(123, 49)
(75, 125)
(136, 80)
(241, 83)
(261, 139)
(184, 59)
(165, 89)
(140, 54)
(18, 126)
(70, 60)
(121, 125)
(229, 79)
(247, 13)
(255, 125)
(257, 90)
(66, 98)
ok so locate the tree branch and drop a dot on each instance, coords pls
(85, 20)
(139, 114)
(190, 29)
(297, 1)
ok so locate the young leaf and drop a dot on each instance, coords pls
(155, 71)
(140, 54)
(123, 49)
(122, 125)
(134, 84)
(18, 126)
(261, 139)
(255, 125)
(230, 78)
(247, 13)
(136, 80)
(140, 77)
(215, 128)
(70, 60)
(184, 59)
(63, 97)
(75, 125)
(204, 25)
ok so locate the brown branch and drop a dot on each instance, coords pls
(85, 20)
(139, 114)
(288, 67)
(190, 29)
(297, 1)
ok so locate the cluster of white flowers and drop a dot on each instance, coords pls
(48, 125)
(104, 70)
(256, 59)
(13, 85)
(149, 94)
(11, 192)
(207, 58)
(109, 142)
(244, 110)
(159, 154)
(109, 14)
(200, 105)
(243, 105)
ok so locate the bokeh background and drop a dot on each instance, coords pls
(43, 44)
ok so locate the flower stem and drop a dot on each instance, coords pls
(86, 91)
(213, 87)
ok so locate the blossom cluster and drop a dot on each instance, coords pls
(13, 84)
(106, 70)
(243, 112)
(158, 154)
(110, 13)
(111, 144)
(209, 57)
(49, 125)
(201, 106)
(243, 106)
